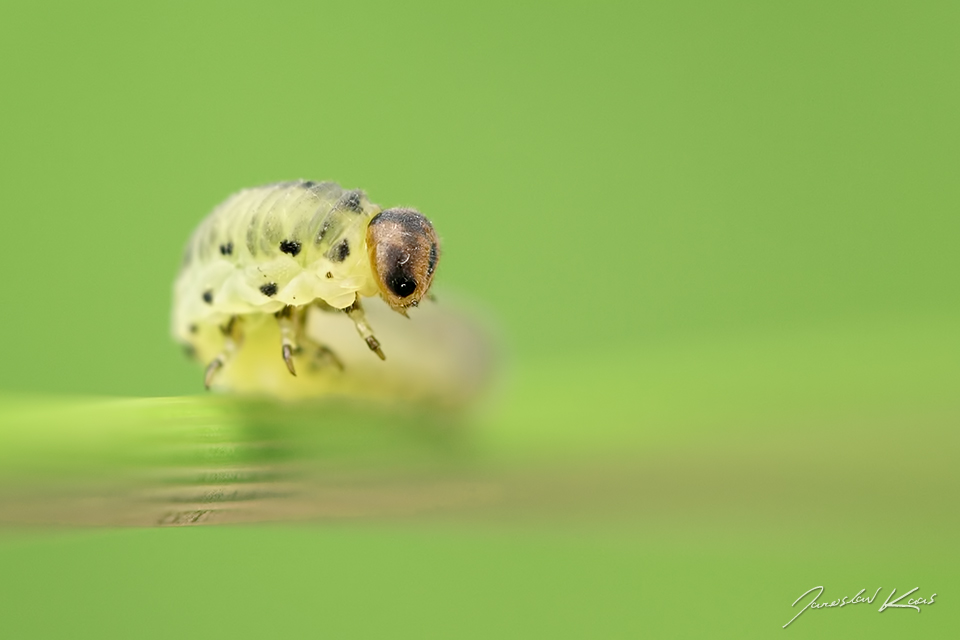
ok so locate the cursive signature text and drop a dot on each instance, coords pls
(912, 603)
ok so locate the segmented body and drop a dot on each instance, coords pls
(269, 247)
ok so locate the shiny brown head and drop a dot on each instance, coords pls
(404, 251)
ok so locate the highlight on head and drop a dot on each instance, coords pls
(404, 251)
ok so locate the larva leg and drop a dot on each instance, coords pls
(355, 311)
(232, 337)
(321, 352)
(294, 339)
(290, 321)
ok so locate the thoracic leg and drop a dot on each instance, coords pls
(355, 311)
(294, 339)
(290, 321)
(321, 352)
(232, 337)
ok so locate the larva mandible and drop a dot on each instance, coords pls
(284, 248)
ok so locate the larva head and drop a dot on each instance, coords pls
(404, 251)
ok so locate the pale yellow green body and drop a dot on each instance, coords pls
(307, 244)
(215, 285)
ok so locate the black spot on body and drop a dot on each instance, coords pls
(226, 249)
(308, 184)
(208, 296)
(291, 247)
(192, 328)
(339, 252)
(351, 201)
(269, 289)
(323, 230)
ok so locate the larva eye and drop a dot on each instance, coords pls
(403, 252)
(401, 285)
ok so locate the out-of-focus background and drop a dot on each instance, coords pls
(719, 242)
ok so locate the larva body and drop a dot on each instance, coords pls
(280, 250)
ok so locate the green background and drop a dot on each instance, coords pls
(718, 239)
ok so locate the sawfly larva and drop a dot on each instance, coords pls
(277, 254)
